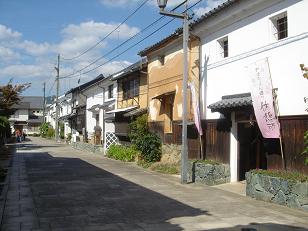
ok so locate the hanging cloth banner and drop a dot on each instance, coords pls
(195, 105)
(262, 99)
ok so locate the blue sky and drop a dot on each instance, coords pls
(33, 32)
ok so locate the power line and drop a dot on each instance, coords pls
(74, 74)
(101, 40)
(126, 41)
(54, 82)
(86, 72)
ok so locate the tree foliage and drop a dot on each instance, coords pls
(148, 143)
(5, 129)
(44, 129)
(10, 95)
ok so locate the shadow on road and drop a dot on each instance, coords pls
(69, 192)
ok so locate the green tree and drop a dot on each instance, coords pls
(44, 129)
(10, 95)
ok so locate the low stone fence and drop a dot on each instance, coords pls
(277, 190)
(88, 147)
(209, 174)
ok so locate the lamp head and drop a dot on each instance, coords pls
(162, 4)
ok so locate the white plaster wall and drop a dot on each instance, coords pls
(109, 127)
(98, 95)
(95, 96)
(21, 115)
(250, 39)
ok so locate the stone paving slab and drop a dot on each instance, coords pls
(55, 187)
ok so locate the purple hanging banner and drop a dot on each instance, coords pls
(262, 99)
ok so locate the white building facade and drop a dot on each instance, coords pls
(100, 97)
(241, 33)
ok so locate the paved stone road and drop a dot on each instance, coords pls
(54, 187)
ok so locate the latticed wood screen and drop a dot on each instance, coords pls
(111, 138)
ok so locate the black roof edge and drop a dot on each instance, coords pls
(81, 87)
(137, 66)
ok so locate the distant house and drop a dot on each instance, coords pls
(28, 114)
(77, 118)
(101, 97)
(50, 114)
(65, 111)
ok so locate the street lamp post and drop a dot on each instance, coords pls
(184, 154)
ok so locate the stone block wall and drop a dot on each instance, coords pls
(171, 153)
(88, 147)
(277, 190)
(209, 174)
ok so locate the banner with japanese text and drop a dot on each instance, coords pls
(195, 105)
(262, 99)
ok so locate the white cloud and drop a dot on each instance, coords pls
(39, 66)
(98, 29)
(211, 4)
(113, 67)
(78, 38)
(8, 33)
(34, 48)
(7, 54)
(23, 71)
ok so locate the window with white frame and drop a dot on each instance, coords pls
(224, 47)
(280, 26)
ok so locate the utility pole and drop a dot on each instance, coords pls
(57, 100)
(185, 17)
(44, 102)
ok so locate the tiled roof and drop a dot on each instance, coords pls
(179, 31)
(231, 101)
(30, 102)
(136, 112)
(132, 68)
(83, 86)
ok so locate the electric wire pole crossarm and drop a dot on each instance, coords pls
(184, 154)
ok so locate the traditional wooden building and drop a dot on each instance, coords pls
(235, 36)
(131, 97)
(165, 84)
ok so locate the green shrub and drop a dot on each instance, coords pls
(288, 175)
(123, 153)
(150, 147)
(44, 129)
(148, 143)
(138, 128)
(5, 129)
(50, 132)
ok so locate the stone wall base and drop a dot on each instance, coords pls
(277, 190)
(208, 174)
(88, 147)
